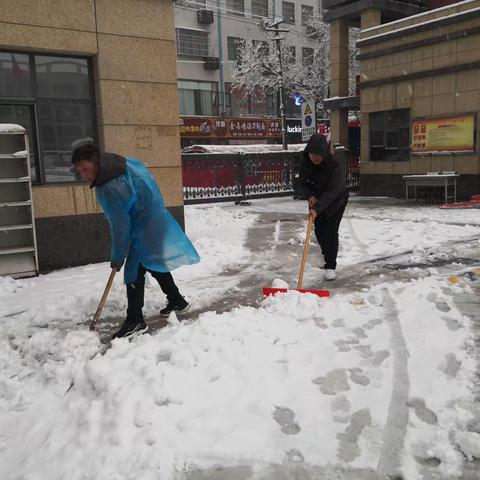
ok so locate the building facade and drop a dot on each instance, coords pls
(207, 35)
(71, 69)
(420, 99)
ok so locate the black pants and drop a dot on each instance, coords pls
(326, 231)
(136, 291)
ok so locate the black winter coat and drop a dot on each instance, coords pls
(325, 182)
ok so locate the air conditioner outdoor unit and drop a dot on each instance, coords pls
(205, 17)
(211, 63)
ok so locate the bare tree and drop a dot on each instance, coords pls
(255, 72)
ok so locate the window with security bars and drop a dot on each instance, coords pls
(307, 15)
(390, 135)
(192, 42)
(236, 7)
(234, 44)
(260, 8)
(288, 12)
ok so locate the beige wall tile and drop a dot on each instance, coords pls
(422, 65)
(401, 168)
(444, 60)
(367, 167)
(444, 84)
(422, 53)
(422, 107)
(369, 95)
(472, 42)
(402, 68)
(404, 94)
(466, 164)
(141, 18)
(52, 201)
(383, 167)
(443, 104)
(445, 48)
(468, 56)
(468, 80)
(384, 61)
(402, 57)
(171, 185)
(467, 101)
(155, 146)
(420, 164)
(48, 39)
(140, 59)
(68, 14)
(423, 87)
(136, 103)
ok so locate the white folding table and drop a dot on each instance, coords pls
(446, 180)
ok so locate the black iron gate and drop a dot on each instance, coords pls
(216, 177)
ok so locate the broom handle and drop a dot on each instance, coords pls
(305, 252)
(104, 299)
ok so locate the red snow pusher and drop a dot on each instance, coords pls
(268, 291)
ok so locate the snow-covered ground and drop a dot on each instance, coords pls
(379, 379)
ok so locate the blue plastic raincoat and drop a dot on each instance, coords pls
(142, 228)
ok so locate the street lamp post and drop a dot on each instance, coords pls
(274, 27)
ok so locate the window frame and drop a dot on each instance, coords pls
(306, 22)
(260, 8)
(235, 48)
(231, 10)
(402, 151)
(196, 98)
(34, 101)
(289, 20)
(192, 53)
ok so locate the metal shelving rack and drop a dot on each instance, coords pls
(18, 246)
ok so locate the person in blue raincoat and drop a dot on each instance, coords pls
(144, 234)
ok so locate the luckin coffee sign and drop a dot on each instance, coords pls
(294, 129)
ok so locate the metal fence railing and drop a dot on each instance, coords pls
(215, 177)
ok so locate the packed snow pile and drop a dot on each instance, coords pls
(300, 374)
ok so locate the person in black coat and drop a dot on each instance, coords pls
(322, 182)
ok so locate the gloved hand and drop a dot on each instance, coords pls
(116, 265)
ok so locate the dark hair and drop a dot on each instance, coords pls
(85, 152)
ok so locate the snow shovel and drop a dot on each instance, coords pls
(268, 291)
(103, 300)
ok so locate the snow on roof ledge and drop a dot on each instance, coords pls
(418, 15)
(11, 128)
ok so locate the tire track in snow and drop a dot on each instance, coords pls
(397, 418)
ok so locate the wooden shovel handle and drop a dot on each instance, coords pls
(305, 252)
(103, 300)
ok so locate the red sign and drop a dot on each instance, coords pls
(274, 127)
(196, 127)
(219, 127)
(247, 128)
